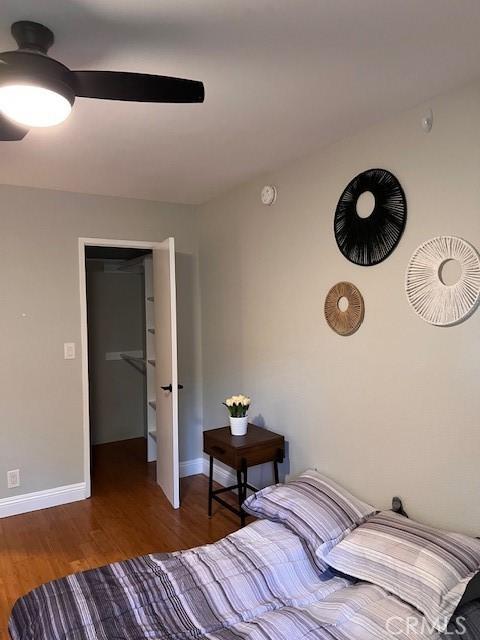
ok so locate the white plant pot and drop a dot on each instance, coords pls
(238, 426)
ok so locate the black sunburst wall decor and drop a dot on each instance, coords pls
(368, 241)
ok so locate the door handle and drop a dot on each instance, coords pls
(169, 387)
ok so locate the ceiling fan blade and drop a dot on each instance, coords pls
(136, 87)
(9, 131)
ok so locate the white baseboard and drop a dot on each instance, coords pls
(42, 499)
(191, 467)
(221, 474)
(73, 492)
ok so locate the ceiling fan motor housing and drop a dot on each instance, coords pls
(26, 67)
(38, 91)
(30, 64)
(32, 36)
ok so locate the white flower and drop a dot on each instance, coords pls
(239, 400)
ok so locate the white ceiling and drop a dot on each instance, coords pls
(282, 78)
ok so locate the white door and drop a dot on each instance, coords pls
(166, 376)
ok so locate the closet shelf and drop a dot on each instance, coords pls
(132, 265)
(153, 404)
(136, 363)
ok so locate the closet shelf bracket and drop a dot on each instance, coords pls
(136, 363)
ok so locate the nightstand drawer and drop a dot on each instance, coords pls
(227, 456)
(261, 455)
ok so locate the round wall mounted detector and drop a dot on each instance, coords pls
(269, 194)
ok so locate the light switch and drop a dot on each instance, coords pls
(69, 351)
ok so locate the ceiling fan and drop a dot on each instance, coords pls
(38, 91)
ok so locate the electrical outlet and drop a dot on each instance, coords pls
(13, 478)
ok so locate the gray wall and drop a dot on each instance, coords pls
(116, 323)
(393, 409)
(41, 428)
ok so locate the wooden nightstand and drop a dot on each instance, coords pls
(240, 452)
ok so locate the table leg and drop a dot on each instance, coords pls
(275, 470)
(244, 492)
(240, 496)
(210, 487)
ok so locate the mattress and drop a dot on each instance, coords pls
(257, 583)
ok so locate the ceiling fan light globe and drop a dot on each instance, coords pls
(33, 106)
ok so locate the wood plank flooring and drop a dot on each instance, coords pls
(128, 515)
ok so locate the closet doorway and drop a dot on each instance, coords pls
(129, 357)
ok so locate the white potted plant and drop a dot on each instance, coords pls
(237, 407)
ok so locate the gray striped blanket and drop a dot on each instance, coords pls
(258, 584)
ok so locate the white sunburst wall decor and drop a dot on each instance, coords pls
(436, 302)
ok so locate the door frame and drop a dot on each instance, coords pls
(82, 243)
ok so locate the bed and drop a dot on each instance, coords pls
(262, 582)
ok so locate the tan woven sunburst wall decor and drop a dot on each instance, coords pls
(436, 302)
(344, 308)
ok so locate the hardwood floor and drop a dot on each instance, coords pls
(128, 515)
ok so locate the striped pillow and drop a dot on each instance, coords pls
(314, 507)
(428, 568)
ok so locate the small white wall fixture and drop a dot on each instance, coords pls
(434, 300)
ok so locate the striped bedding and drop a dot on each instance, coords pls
(316, 508)
(427, 567)
(256, 584)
